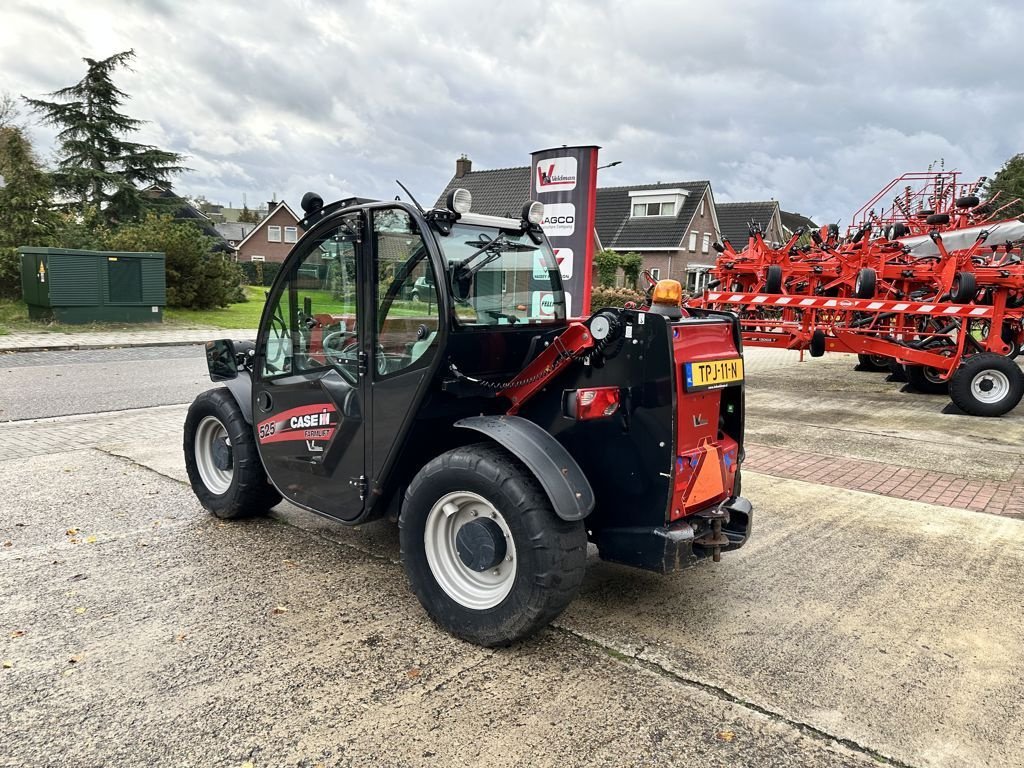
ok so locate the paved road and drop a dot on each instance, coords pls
(36, 385)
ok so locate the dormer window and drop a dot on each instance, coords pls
(656, 202)
(654, 209)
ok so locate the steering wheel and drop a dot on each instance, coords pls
(340, 347)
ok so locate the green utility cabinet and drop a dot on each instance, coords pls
(93, 286)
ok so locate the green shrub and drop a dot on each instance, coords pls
(10, 274)
(259, 272)
(197, 277)
(614, 297)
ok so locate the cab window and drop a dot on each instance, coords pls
(405, 294)
(314, 315)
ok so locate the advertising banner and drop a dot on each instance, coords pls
(565, 180)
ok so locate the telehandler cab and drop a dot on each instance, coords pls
(420, 365)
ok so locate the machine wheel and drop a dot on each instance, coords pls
(964, 288)
(864, 285)
(926, 380)
(1010, 337)
(987, 384)
(937, 218)
(900, 230)
(817, 345)
(968, 201)
(483, 549)
(872, 363)
(773, 279)
(222, 460)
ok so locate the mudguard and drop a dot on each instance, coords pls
(553, 466)
(222, 360)
(241, 388)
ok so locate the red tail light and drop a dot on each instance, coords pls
(594, 403)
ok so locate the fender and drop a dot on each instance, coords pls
(553, 466)
(222, 360)
(241, 389)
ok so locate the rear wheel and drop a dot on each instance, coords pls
(222, 460)
(872, 363)
(964, 288)
(864, 285)
(773, 279)
(987, 384)
(927, 380)
(483, 549)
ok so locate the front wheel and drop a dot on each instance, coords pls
(222, 460)
(987, 384)
(483, 549)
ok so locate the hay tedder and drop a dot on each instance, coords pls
(931, 288)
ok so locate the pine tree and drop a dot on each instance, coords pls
(26, 215)
(99, 170)
(1009, 181)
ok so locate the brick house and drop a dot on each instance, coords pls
(672, 226)
(272, 239)
(737, 218)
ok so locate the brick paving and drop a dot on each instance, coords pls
(19, 439)
(999, 498)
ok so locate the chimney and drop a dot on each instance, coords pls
(463, 166)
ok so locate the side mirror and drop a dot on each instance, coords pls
(220, 360)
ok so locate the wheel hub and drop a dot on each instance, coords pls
(221, 450)
(985, 385)
(480, 544)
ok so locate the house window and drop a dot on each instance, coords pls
(706, 245)
(254, 257)
(291, 234)
(274, 234)
(693, 242)
(655, 273)
(654, 209)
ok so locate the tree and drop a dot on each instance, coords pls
(631, 264)
(607, 263)
(1009, 181)
(99, 169)
(248, 216)
(26, 215)
(196, 277)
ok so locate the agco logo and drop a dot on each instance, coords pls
(559, 219)
(556, 174)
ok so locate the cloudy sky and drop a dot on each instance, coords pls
(817, 104)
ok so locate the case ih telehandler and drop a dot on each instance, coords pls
(419, 365)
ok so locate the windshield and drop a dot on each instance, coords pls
(501, 277)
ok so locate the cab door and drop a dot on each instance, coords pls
(310, 384)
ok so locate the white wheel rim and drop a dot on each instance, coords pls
(208, 434)
(990, 386)
(477, 590)
(933, 375)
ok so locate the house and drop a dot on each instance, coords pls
(234, 232)
(736, 219)
(791, 222)
(672, 226)
(272, 238)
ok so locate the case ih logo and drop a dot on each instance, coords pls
(556, 174)
(559, 219)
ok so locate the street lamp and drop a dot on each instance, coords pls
(610, 165)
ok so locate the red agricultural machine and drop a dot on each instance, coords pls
(931, 288)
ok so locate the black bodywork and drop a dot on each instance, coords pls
(615, 472)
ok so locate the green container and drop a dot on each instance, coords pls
(93, 286)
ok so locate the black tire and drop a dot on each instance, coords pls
(248, 492)
(864, 285)
(900, 230)
(964, 288)
(937, 218)
(987, 384)
(872, 363)
(925, 380)
(550, 552)
(817, 345)
(1010, 337)
(968, 201)
(773, 279)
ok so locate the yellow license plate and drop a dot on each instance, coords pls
(714, 374)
